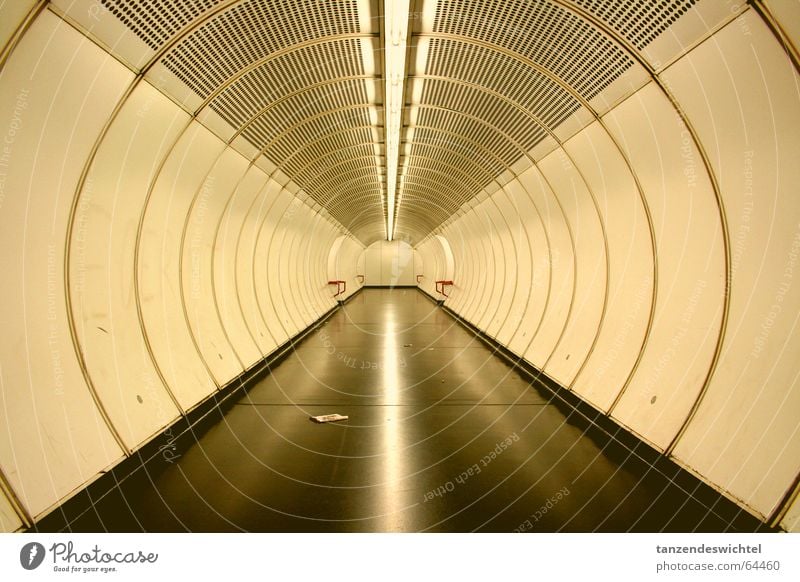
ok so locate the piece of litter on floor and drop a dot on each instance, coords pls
(328, 418)
(407, 345)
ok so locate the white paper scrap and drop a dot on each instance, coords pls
(328, 418)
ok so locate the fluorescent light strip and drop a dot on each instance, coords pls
(395, 32)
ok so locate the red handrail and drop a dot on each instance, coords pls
(339, 290)
(442, 283)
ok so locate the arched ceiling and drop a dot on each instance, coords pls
(491, 86)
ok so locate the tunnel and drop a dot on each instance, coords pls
(540, 253)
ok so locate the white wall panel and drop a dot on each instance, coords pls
(457, 250)
(745, 435)
(352, 250)
(9, 520)
(432, 261)
(462, 280)
(630, 270)
(691, 266)
(336, 259)
(447, 262)
(485, 270)
(425, 263)
(343, 263)
(372, 265)
(301, 267)
(282, 266)
(159, 264)
(308, 272)
(477, 271)
(419, 266)
(319, 250)
(317, 247)
(437, 264)
(462, 252)
(14, 12)
(361, 266)
(560, 264)
(266, 264)
(534, 279)
(54, 438)
(244, 337)
(197, 247)
(303, 270)
(291, 293)
(787, 13)
(102, 260)
(590, 269)
(479, 227)
(430, 264)
(518, 272)
(502, 257)
(347, 254)
(489, 267)
(249, 264)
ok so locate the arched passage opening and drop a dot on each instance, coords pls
(447, 263)
(343, 265)
(436, 263)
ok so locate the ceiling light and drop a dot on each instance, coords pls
(395, 33)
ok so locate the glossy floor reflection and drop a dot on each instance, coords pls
(443, 436)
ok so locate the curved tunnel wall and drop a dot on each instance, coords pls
(604, 264)
(645, 260)
(147, 265)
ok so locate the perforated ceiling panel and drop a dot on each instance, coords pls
(546, 34)
(156, 21)
(482, 66)
(301, 81)
(640, 21)
(251, 31)
(287, 74)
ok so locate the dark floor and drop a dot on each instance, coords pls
(443, 436)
